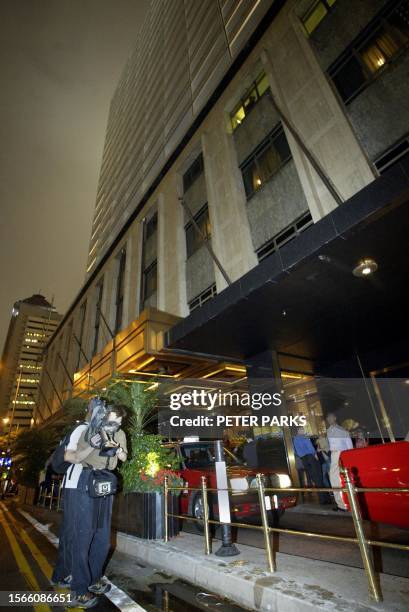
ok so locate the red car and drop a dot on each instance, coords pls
(197, 459)
(384, 466)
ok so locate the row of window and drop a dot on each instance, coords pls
(379, 43)
(265, 161)
(203, 297)
(316, 14)
(249, 100)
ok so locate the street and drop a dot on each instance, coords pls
(27, 556)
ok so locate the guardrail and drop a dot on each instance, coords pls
(50, 495)
(350, 489)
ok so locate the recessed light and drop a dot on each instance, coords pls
(365, 268)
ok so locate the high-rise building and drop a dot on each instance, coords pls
(252, 210)
(33, 321)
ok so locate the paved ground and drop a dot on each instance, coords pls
(28, 553)
(180, 596)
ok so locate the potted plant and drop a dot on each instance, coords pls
(143, 486)
(139, 509)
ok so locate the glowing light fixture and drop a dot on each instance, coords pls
(152, 464)
(365, 268)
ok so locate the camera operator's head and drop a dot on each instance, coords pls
(112, 420)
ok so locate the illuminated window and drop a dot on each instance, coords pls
(249, 100)
(193, 239)
(316, 14)
(265, 161)
(380, 43)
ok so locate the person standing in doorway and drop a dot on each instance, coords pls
(338, 441)
(305, 450)
(325, 459)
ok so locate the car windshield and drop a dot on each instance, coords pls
(201, 455)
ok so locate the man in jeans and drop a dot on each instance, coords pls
(305, 450)
(89, 518)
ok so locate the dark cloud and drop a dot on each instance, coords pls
(59, 64)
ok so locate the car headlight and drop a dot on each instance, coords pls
(239, 484)
(284, 480)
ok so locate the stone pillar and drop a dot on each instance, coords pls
(304, 94)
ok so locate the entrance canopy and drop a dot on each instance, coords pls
(304, 300)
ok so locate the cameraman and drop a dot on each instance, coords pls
(92, 453)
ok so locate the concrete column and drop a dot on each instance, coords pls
(305, 95)
(172, 251)
(231, 238)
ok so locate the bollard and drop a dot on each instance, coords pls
(52, 495)
(374, 589)
(264, 520)
(59, 496)
(165, 509)
(206, 516)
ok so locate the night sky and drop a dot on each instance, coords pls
(60, 61)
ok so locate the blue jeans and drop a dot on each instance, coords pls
(63, 567)
(91, 540)
(325, 473)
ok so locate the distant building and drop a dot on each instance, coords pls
(33, 321)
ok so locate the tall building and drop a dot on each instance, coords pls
(33, 321)
(252, 211)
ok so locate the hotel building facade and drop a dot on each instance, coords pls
(256, 155)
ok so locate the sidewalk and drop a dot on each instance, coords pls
(300, 584)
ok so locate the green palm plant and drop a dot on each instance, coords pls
(139, 401)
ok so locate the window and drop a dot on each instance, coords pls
(391, 157)
(287, 234)
(83, 309)
(265, 161)
(150, 281)
(194, 171)
(250, 99)
(120, 290)
(316, 14)
(151, 226)
(99, 292)
(193, 239)
(384, 38)
(203, 297)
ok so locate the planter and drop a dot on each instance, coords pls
(141, 515)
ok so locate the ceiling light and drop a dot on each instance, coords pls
(366, 267)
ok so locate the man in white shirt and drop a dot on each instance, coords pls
(62, 571)
(338, 441)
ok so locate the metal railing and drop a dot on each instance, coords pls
(47, 496)
(351, 491)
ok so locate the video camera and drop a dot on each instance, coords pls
(100, 431)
